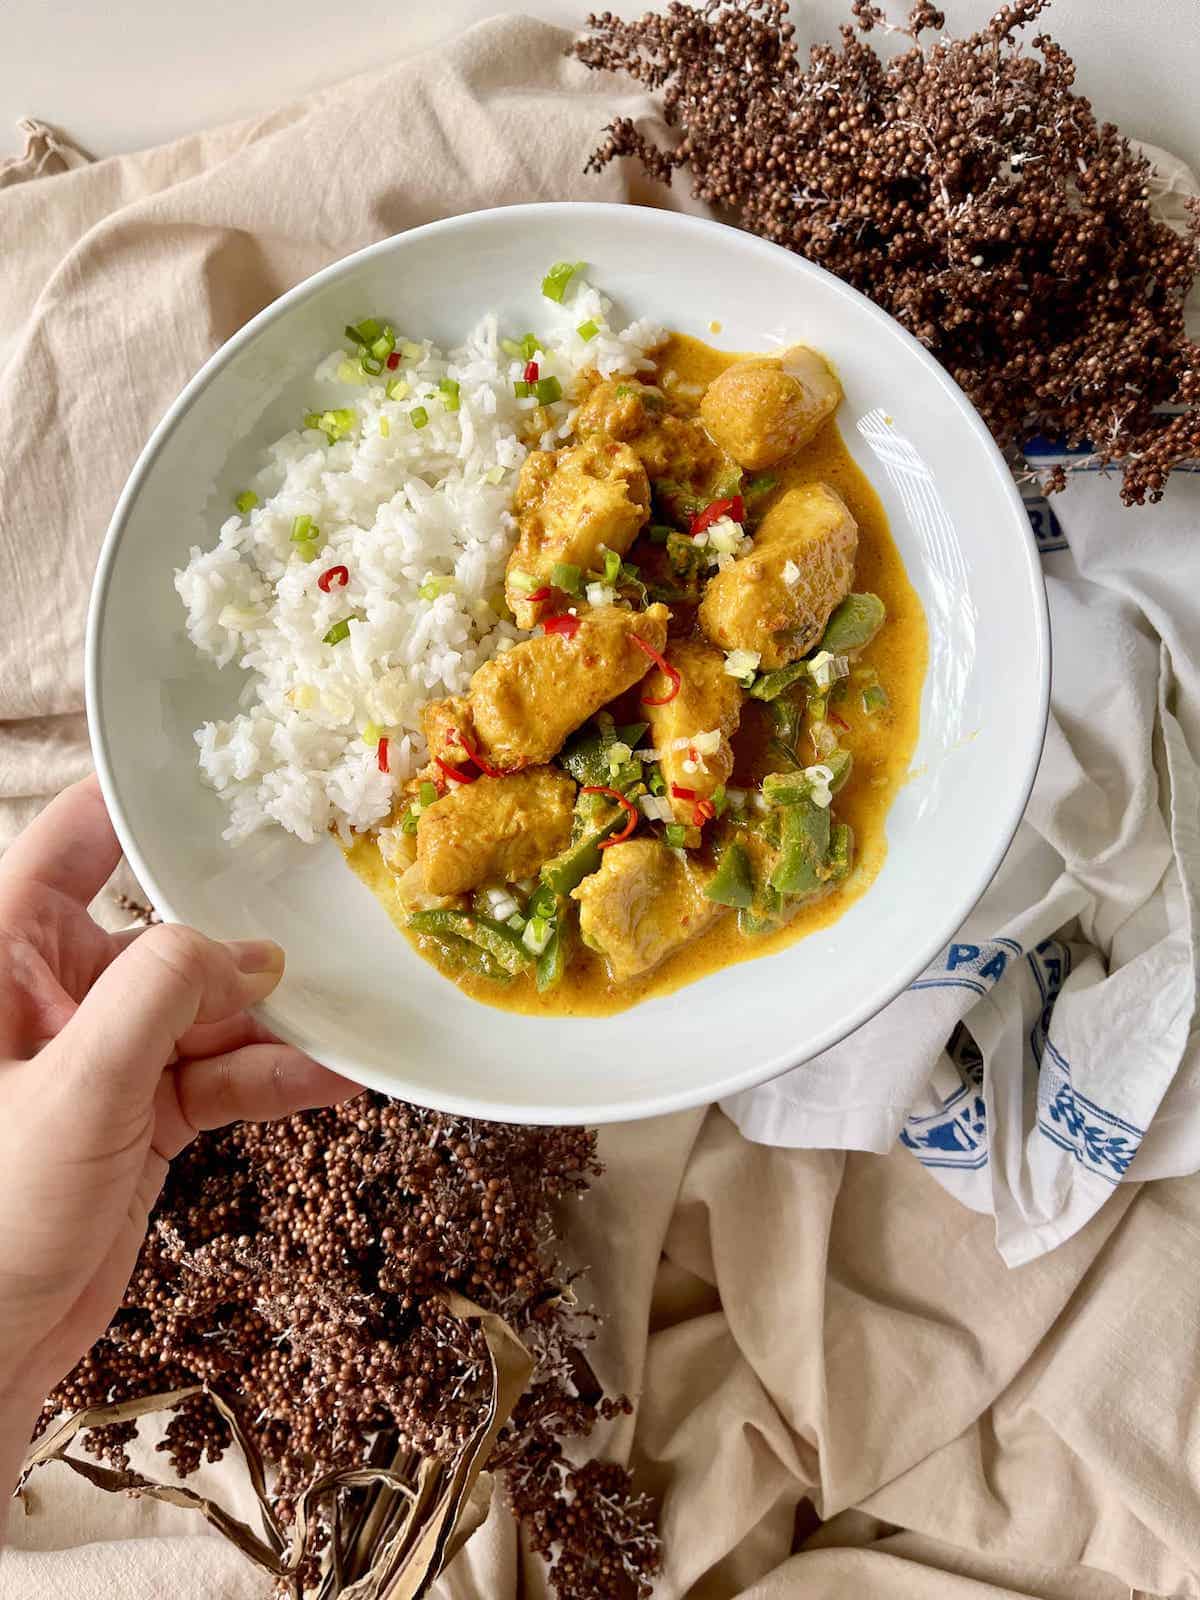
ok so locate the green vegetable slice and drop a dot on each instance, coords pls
(853, 624)
(733, 882)
(496, 940)
(554, 284)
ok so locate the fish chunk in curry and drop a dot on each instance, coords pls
(689, 757)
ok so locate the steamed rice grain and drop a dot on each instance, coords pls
(397, 506)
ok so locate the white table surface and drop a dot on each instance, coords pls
(121, 74)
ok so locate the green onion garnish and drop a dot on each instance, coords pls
(303, 530)
(530, 345)
(720, 798)
(449, 393)
(408, 822)
(547, 390)
(875, 699)
(511, 348)
(334, 425)
(554, 284)
(365, 331)
(385, 427)
(612, 565)
(522, 390)
(568, 578)
(371, 365)
(676, 835)
(658, 784)
(382, 347)
(372, 733)
(349, 372)
(309, 550)
(588, 330)
(411, 350)
(520, 582)
(396, 389)
(427, 793)
(434, 586)
(339, 631)
(418, 416)
(246, 501)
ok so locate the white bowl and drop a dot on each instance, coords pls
(355, 995)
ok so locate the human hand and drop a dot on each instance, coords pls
(115, 1051)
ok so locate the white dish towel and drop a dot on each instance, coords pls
(1048, 1053)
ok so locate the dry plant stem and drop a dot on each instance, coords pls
(964, 186)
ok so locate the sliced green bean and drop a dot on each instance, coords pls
(803, 848)
(733, 882)
(770, 685)
(765, 915)
(501, 943)
(556, 957)
(874, 698)
(853, 624)
(466, 957)
(564, 872)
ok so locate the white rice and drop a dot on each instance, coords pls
(394, 511)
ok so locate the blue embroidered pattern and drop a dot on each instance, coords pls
(1098, 1139)
(956, 1134)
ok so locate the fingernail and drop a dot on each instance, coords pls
(256, 955)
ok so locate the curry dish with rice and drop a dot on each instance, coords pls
(689, 761)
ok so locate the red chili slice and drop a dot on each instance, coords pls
(538, 594)
(393, 361)
(484, 765)
(705, 811)
(734, 507)
(454, 773)
(615, 794)
(664, 667)
(565, 624)
(338, 575)
(678, 792)
(839, 721)
(531, 371)
(382, 754)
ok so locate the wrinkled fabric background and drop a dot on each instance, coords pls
(841, 1390)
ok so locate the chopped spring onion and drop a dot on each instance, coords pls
(448, 387)
(364, 332)
(676, 835)
(411, 350)
(547, 391)
(725, 535)
(397, 389)
(875, 698)
(349, 372)
(339, 631)
(658, 784)
(427, 792)
(511, 348)
(246, 501)
(372, 733)
(657, 808)
(588, 330)
(382, 347)
(618, 753)
(600, 594)
(385, 428)
(522, 390)
(516, 922)
(434, 586)
(612, 565)
(334, 425)
(370, 365)
(501, 905)
(537, 935)
(567, 577)
(826, 669)
(720, 799)
(408, 822)
(418, 416)
(494, 475)
(520, 582)
(742, 664)
(530, 345)
(554, 284)
(303, 530)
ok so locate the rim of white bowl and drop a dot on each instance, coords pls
(733, 1082)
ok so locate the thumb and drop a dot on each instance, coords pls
(125, 1031)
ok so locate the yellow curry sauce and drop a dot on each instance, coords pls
(881, 744)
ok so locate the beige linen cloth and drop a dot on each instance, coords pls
(840, 1389)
